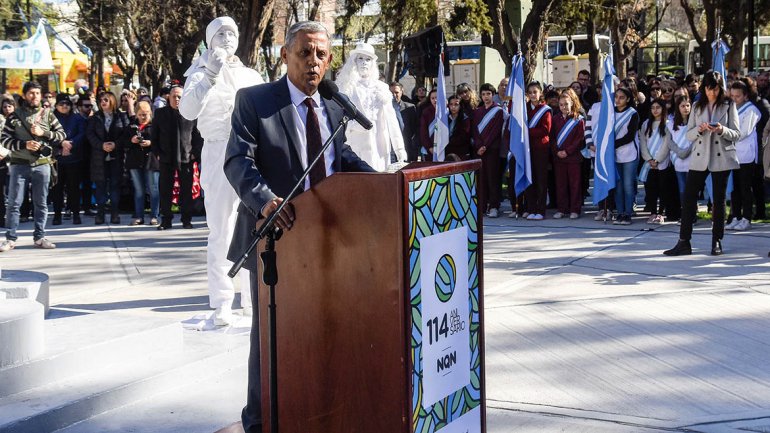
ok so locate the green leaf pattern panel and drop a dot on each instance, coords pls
(438, 205)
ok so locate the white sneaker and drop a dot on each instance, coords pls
(599, 216)
(525, 215)
(574, 216)
(7, 245)
(732, 224)
(743, 224)
(492, 213)
(536, 217)
(513, 215)
(223, 316)
(558, 215)
(45, 244)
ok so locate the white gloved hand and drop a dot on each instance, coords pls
(217, 59)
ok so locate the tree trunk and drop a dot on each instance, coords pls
(253, 26)
(593, 52)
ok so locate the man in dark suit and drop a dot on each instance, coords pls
(178, 144)
(407, 119)
(277, 128)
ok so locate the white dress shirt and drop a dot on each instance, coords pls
(300, 119)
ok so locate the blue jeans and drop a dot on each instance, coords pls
(681, 180)
(143, 180)
(625, 187)
(39, 177)
(111, 185)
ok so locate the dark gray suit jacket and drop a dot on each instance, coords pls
(262, 160)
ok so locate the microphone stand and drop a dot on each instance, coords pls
(270, 270)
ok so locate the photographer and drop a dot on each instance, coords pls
(143, 164)
(29, 133)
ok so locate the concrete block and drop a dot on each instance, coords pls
(21, 331)
(25, 285)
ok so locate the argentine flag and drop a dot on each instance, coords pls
(718, 65)
(519, 144)
(603, 132)
(441, 133)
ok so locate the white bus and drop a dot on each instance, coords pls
(694, 63)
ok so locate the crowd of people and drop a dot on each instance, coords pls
(658, 119)
(84, 145)
(81, 147)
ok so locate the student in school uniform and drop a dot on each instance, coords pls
(626, 154)
(678, 143)
(539, 115)
(742, 197)
(487, 130)
(567, 140)
(658, 180)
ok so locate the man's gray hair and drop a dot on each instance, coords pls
(306, 27)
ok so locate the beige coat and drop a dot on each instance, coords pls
(711, 151)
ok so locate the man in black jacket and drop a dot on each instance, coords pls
(178, 144)
(407, 120)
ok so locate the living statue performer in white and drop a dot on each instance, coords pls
(209, 96)
(359, 80)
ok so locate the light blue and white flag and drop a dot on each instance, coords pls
(441, 122)
(720, 49)
(604, 137)
(519, 142)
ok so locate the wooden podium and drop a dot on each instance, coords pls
(349, 304)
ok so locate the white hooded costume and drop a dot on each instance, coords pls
(209, 96)
(358, 79)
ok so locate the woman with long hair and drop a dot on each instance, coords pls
(678, 143)
(567, 140)
(469, 99)
(626, 154)
(539, 128)
(653, 146)
(108, 135)
(713, 128)
(742, 197)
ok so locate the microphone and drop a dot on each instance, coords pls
(329, 90)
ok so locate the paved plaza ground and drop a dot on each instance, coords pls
(589, 328)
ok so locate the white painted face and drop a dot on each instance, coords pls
(227, 39)
(364, 65)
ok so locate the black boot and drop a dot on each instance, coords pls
(716, 247)
(99, 219)
(682, 248)
(76, 219)
(57, 219)
(115, 219)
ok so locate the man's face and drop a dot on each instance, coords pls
(397, 91)
(174, 96)
(364, 65)
(584, 80)
(693, 87)
(763, 80)
(502, 87)
(631, 74)
(486, 96)
(33, 97)
(227, 39)
(85, 107)
(307, 60)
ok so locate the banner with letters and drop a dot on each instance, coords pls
(444, 265)
(32, 53)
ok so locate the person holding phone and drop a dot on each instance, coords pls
(713, 129)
